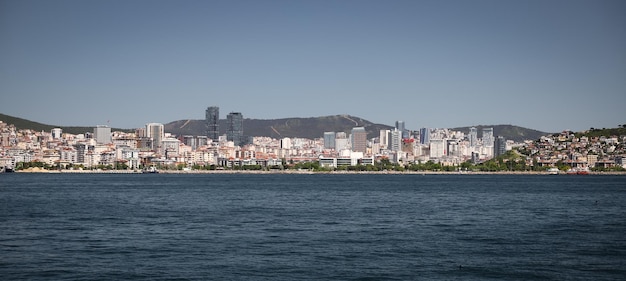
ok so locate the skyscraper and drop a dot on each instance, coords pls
(500, 146)
(400, 125)
(329, 140)
(488, 137)
(395, 141)
(359, 139)
(473, 137)
(234, 132)
(424, 135)
(156, 132)
(402, 128)
(102, 134)
(212, 122)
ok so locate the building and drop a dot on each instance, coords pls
(395, 140)
(341, 141)
(156, 132)
(383, 138)
(452, 148)
(402, 128)
(5, 139)
(81, 151)
(437, 148)
(234, 131)
(170, 147)
(202, 141)
(56, 133)
(424, 135)
(488, 138)
(131, 156)
(499, 147)
(285, 143)
(190, 141)
(140, 132)
(473, 137)
(408, 146)
(329, 140)
(102, 134)
(359, 139)
(212, 122)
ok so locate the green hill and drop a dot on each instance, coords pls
(594, 132)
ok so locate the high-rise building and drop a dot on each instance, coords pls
(473, 137)
(212, 122)
(500, 146)
(341, 141)
(395, 141)
(383, 138)
(102, 134)
(400, 125)
(424, 135)
(488, 137)
(156, 132)
(359, 139)
(234, 132)
(329, 140)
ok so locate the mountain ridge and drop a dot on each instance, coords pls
(302, 127)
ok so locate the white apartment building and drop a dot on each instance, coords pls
(437, 148)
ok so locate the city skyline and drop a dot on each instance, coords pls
(544, 65)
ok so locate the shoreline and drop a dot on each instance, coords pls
(303, 172)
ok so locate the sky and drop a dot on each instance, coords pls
(548, 65)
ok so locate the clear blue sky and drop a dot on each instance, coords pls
(547, 64)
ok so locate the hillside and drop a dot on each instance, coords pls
(35, 126)
(509, 132)
(593, 132)
(313, 127)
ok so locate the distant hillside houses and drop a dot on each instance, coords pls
(566, 149)
(152, 146)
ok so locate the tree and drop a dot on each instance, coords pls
(467, 165)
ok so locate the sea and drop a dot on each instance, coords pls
(312, 227)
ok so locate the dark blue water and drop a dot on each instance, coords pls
(312, 227)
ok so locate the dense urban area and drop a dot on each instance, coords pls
(151, 149)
